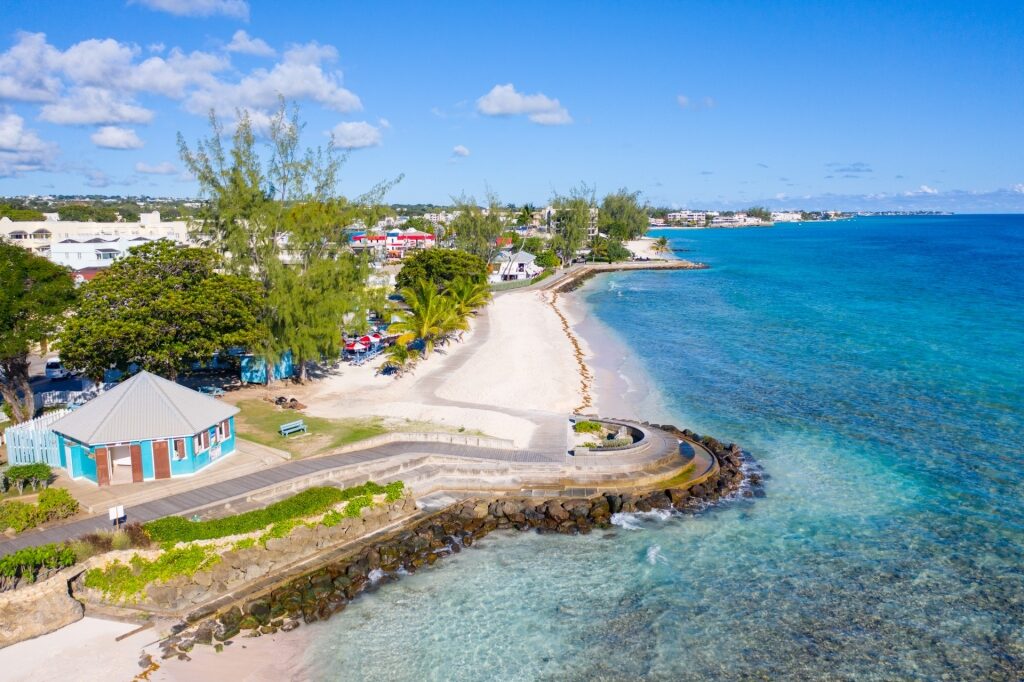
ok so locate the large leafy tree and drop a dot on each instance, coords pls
(161, 307)
(440, 267)
(623, 216)
(476, 231)
(34, 294)
(281, 221)
(572, 221)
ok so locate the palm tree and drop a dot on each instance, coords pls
(467, 295)
(661, 244)
(399, 359)
(429, 316)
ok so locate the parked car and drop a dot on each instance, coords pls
(55, 370)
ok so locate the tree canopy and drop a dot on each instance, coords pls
(161, 307)
(572, 222)
(440, 267)
(622, 215)
(280, 220)
(20, 214)
(475, 231)
(34, 294)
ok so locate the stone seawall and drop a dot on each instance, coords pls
(320, 594)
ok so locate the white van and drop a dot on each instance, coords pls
(55, 370)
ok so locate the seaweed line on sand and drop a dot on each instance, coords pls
(586, 378)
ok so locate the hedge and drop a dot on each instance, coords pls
(27, 562)
(22, 475)
(307, 503)
(54, 504)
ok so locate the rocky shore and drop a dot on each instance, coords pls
(326, 591)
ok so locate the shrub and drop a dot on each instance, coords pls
(56, 503)
(587, 427)
(120, 540)
(356, 505)
(82, 549)
(17, 515)
(125, 582)
(22, 475)
(307, 503)
(244, 543)
(27, 562)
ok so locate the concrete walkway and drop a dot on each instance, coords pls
(659, 446)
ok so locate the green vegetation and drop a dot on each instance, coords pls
(312, 281)
(441, 267)
(608, 250)
(587, 426)
(162, 307)
(258, 421)
(661, 245)
(25, 563)
(622, 216)
(476, 231)
(53, 504)
(24, 475)
(572, 222)
(307, 503)
(760, 212)
(125, 582)
(34, 294)
(429, 317)
(547, 259)
(20, 214)
(99, 213)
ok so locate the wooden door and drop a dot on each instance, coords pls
(136, 452)
(102, 466)
(161, 459)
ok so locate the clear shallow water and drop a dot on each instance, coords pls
(875, 369)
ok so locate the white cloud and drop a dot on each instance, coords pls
(238, 9)
(112, 137)
(21, 149)
(460, 150)
(1018, 188)
(355, 135)
(243, 43)
(164, 168)
(685, 102)
(172, 76)
(925, 189)
(92, 106)
(97, 178)
(504, 100)
(26, 70)
(299, 75)
(156, 48)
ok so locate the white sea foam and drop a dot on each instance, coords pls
(636, 520)
(654, 555)
(375, 575)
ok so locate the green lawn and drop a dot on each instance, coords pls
(258, 421)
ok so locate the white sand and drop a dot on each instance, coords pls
(516, 361)
(84, 651)
(644, 248)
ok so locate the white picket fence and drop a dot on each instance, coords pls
(33, 441)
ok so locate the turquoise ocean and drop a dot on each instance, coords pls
(875, 370)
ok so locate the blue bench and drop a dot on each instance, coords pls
(288, 429)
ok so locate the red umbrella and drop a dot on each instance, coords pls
(365, 339)
(355, 345)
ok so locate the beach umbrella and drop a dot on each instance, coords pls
(365, 340)
(356, 346)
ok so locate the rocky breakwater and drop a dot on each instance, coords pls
(242, 569)
(325, 592)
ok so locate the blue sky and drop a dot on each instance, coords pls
(854, 105)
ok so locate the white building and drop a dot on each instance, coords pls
(786, 216)
(40, 236)
(512, 267)
(92, 252)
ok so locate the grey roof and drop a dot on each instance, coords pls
(144, 407)
(518, 257)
